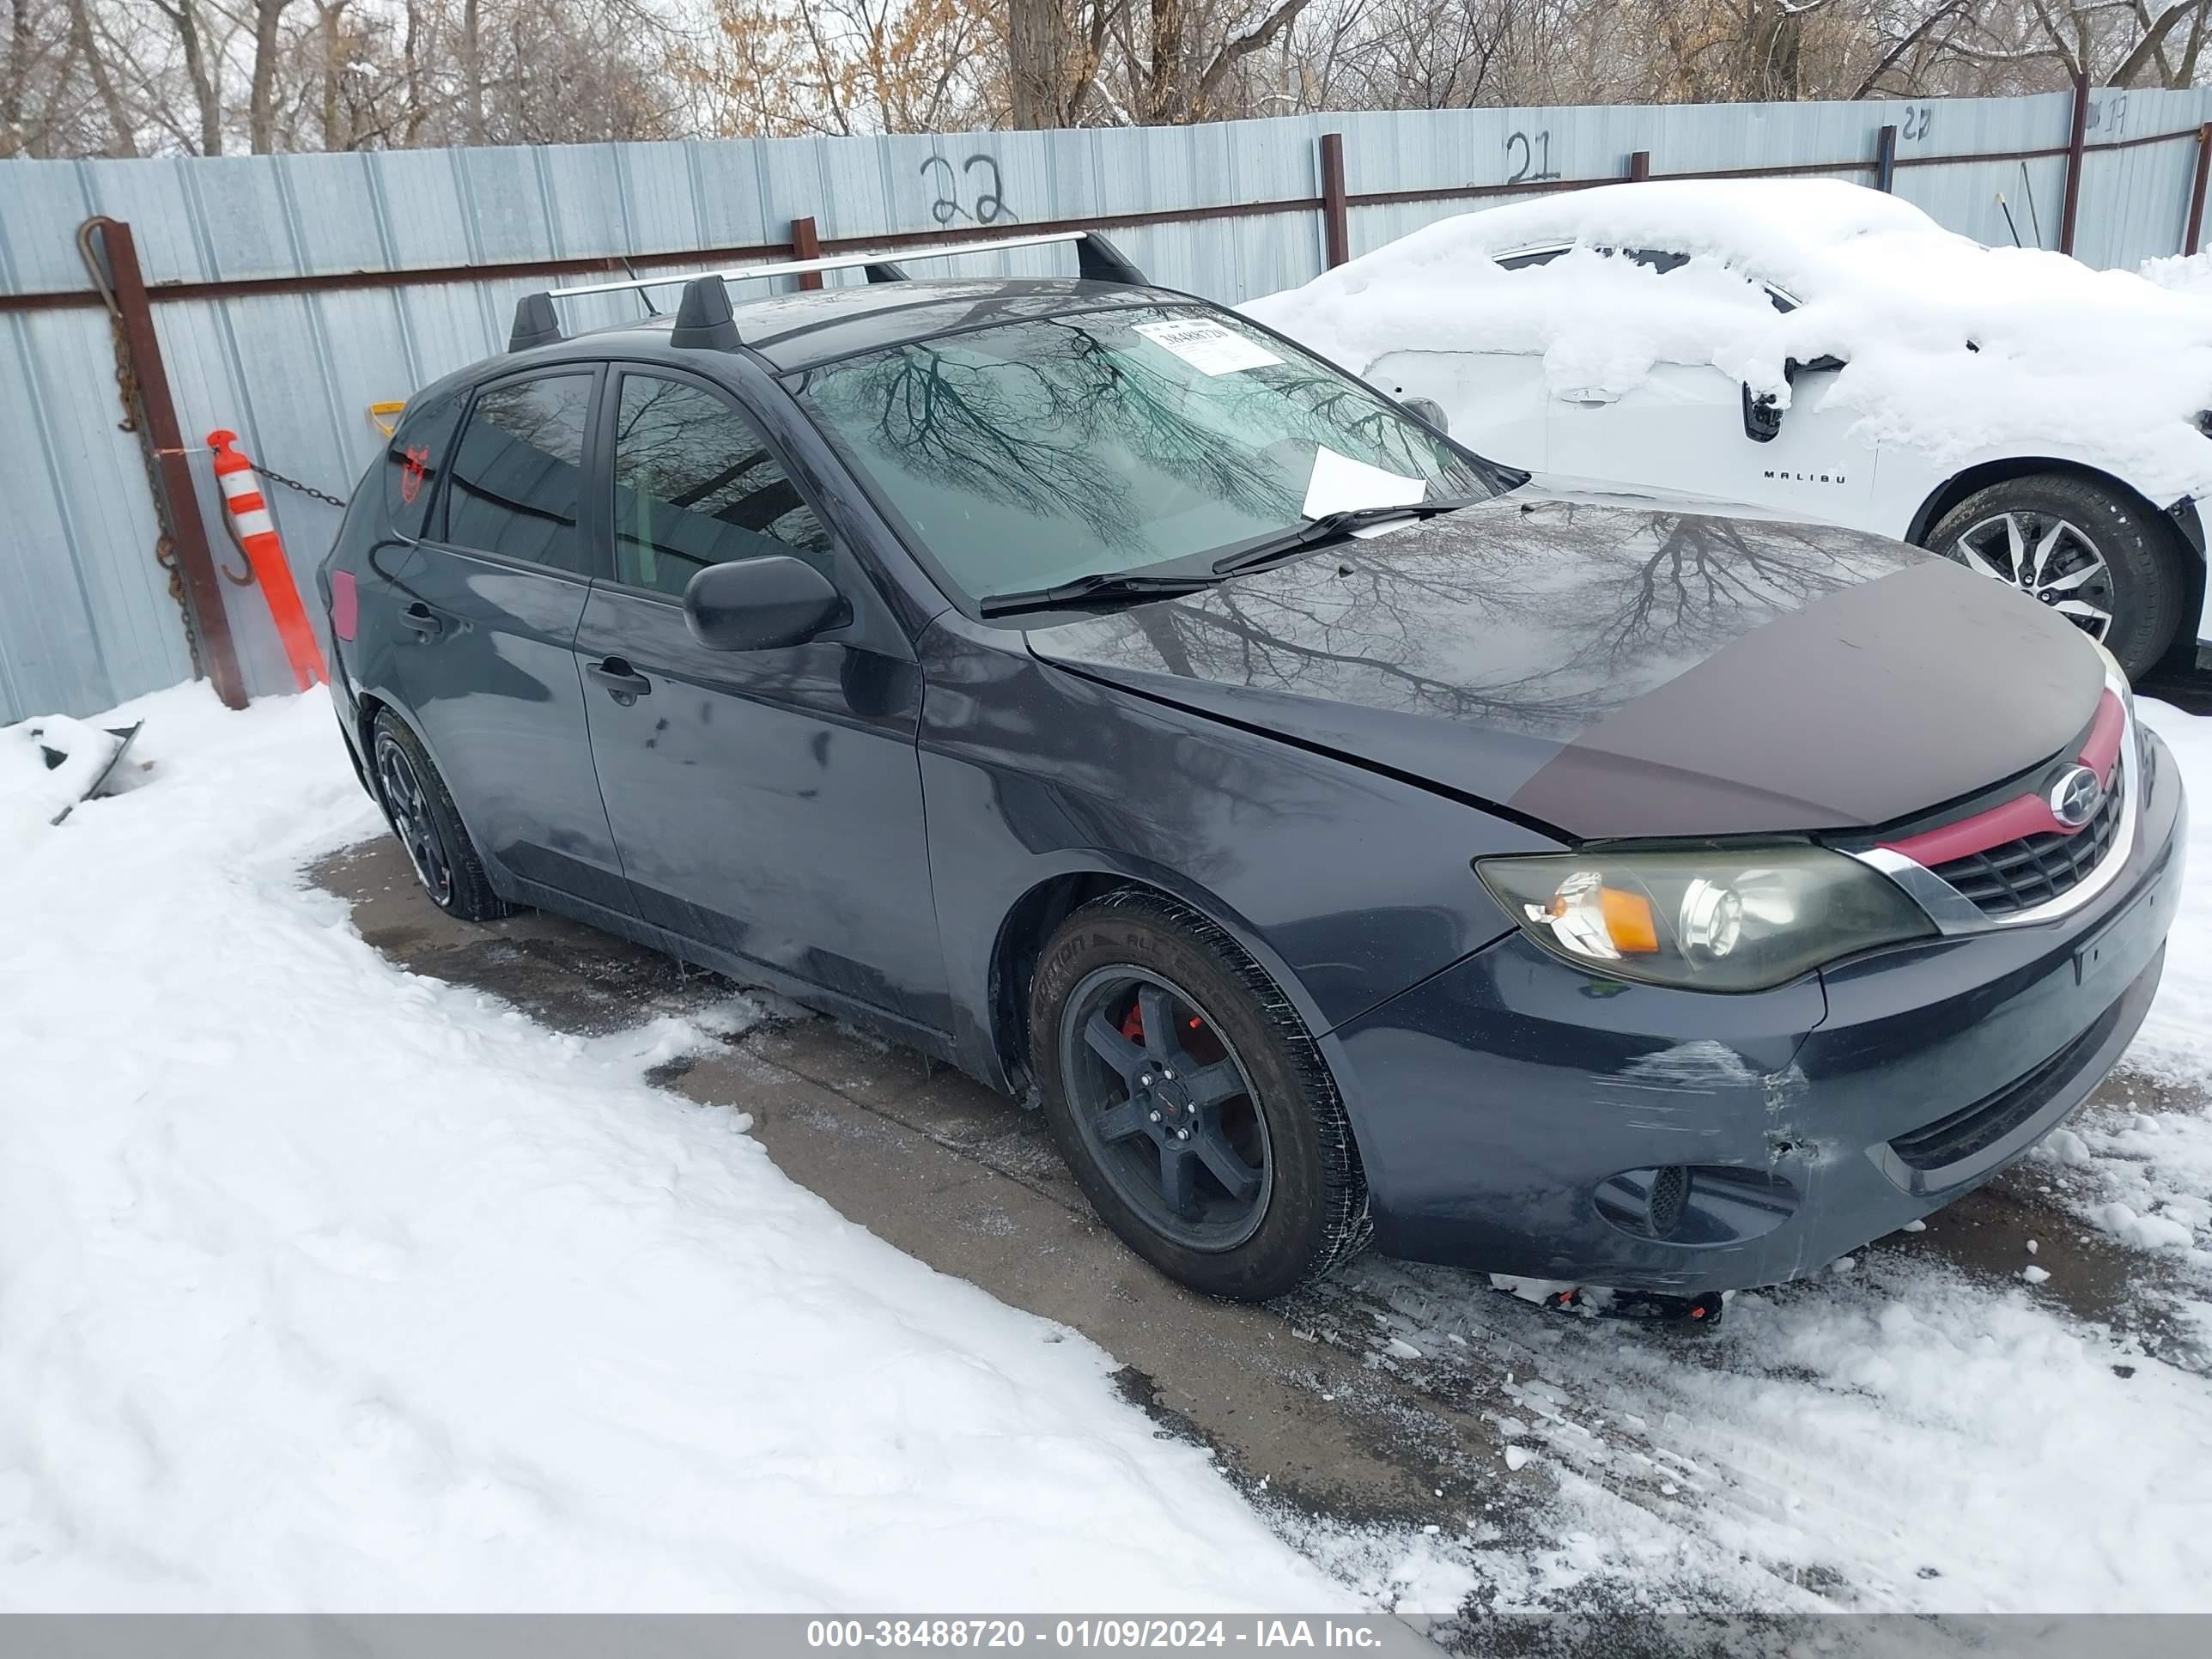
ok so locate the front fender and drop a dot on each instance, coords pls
(1348, 885)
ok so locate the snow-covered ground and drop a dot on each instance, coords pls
(326, 1286)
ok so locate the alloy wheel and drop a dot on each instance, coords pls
(410, 816)
(2047, 558)
(1166, 1108)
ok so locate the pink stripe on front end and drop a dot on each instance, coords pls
(2024, 815)
(345, 604)
(2103, 747)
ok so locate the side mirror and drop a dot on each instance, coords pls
(759, 604)
(1429, 411)
(1762, 415)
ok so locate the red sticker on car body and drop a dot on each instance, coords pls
(345, 604)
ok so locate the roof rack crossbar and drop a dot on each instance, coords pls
(1097, 259)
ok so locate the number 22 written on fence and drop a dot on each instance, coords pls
(990, 199)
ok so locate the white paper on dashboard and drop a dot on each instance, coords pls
(1338, 482)
(1208, 347)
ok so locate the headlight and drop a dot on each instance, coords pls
(1741, 920)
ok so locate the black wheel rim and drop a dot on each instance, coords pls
(410, 818)
(1166, 1106)
(2048, 559)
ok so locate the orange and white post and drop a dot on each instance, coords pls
(264, 550)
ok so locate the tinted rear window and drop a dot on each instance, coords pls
(517, 477)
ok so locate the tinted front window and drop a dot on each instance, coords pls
(695, 485)
(1029, 454)
(422, 444)
(518, 476)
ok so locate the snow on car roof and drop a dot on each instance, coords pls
(1766, 224)
(1965, 352)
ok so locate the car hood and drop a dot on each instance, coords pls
(1610, 671)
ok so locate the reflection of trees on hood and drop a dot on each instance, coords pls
(1697, 585)
(1386, 619)
(1536, 625)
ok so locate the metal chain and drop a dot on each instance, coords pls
(274, 476)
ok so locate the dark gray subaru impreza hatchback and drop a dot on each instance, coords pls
(1333, 837)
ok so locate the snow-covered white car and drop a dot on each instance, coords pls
(1816, 350)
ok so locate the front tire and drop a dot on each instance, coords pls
(2092, 553)
(422, 815)
(1192, 1105)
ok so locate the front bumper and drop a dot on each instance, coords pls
(1520, 1115)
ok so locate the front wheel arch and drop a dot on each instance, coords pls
(2170, 528)
(1031, 920)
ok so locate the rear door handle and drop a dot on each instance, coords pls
(424, 620)
(624, 684)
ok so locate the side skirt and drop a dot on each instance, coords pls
(892, 1028)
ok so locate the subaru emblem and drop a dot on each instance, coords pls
(2075, 797)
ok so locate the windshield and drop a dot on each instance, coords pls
(1036, 452)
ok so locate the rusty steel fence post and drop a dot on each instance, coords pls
(1335, 211)
(1885, 159)
(2077, 144)
(806, 244)
(176, 503)
(1639, 166)
(2196, 231)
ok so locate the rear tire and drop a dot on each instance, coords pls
(2080, 548)
(1217, 1148)
(421, 813)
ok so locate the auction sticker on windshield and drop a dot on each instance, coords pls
(1208, 347)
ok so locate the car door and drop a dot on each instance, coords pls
(1494, 402)
(1684, 426)
(488, 610)
(768, 804)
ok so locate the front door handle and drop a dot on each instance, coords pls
(424, 620)
(624, 684)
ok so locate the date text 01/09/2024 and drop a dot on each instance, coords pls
(1123, 1633)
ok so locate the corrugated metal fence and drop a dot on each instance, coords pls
(292, 292)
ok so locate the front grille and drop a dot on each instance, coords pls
(2019, 875)
(1970, 1129)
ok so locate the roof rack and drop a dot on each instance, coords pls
(704, 317)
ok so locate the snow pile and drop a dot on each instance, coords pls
(326, 1287)
(2185, 273)
(1952, 348)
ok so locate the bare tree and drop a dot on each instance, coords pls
(113, 77)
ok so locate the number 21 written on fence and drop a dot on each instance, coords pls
(1535, 157)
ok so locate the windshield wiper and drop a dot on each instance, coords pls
(1330, 527)
(1102, 586)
